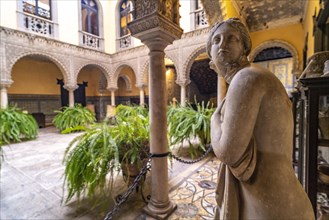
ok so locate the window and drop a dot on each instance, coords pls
(40, 8)
(198, 16)
(89, 16)
(125, 17)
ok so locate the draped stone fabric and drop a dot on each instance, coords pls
(227, 192)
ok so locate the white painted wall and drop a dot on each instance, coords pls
(184, 12)
(8, 17)
(68, 20)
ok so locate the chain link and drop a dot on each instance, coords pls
(123, 198)
(131, 188)
(193, 161)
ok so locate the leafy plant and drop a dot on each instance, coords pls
(15, 126)
(186, 123)
(132, 133)
(72, 117)
(88, 159)
(92, 159)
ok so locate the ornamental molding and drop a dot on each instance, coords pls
(192, 53)
(117, 71)
(35, 41)
(154, 21)
(16, 52)
(277, 43)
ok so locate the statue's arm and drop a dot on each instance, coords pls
(231, 136)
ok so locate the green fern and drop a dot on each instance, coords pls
(186, 123)
(93, 158)
(16, 126)
(73, 118)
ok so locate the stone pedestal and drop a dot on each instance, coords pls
(156, 25)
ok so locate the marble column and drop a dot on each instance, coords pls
(70, 89)
(112, 97)
(142, 96)
(157, 27)
(183, 84)
(182, 95)
(4, 93)
(159, 203)
(4, 96)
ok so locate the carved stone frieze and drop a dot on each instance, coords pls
(143, 8)
(153, 21)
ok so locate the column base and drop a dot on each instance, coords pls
(159, 213)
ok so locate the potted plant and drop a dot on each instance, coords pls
(70, 119)
(93, 158)
(16, 126)
(186, 124)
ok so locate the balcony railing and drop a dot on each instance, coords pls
(38, 25)
(124, 42)
(200, 19)
(91, 41)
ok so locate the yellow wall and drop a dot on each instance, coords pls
(292, 34)
(313, 6)
(122, 91)
(230, 9)
(92, 75)
(35, 77)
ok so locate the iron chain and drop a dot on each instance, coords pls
(143, 171)
(131, 188)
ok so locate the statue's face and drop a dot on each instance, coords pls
(227, 46)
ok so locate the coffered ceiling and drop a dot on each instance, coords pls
(266, 14)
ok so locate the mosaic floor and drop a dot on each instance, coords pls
(195, 196)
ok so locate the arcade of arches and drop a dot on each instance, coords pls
(112, 79)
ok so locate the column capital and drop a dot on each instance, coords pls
(6, 83)
(70, 87)
(183, 82)
(112, 89)
(141, 86)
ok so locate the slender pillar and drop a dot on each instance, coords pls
(159, 203)
(142, 96)
(70, 89)
(113, 97)
(156, 24)
(4, 85)
(4, 97)
(182, 95)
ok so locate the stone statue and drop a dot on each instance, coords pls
(252, 135)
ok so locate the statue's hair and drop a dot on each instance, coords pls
(239, 26)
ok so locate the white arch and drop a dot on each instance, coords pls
(56, 61)
(127, 81)
(98, 65)
(117, 71)
(190, 60)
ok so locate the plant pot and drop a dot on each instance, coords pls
(131, 171)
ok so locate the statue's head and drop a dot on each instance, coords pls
(228, 43)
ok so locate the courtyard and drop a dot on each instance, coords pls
(32, 185)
